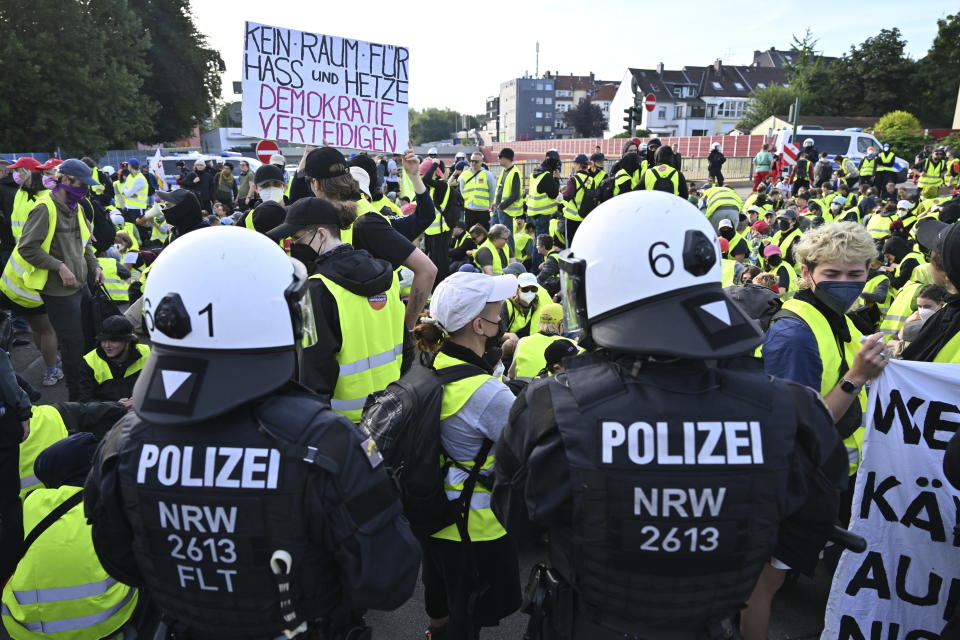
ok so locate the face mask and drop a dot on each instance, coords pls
(783, 225)
(49, 182)
(838, 296)
(492, 354)
(274, 194)
(304, 253)
(727, 232)
(17, 177)
(774, 261)
(926, 313)
(498, 370)
(528, 296)
(835, 206)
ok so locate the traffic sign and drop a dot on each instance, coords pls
(650, 102)
(790, 152)
(265, 149)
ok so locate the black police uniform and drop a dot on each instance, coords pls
(664, 488)
(195, 513)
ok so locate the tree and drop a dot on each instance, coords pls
(184, 74)
(938, 75)
(897, 121)
(587, 119)
(436, 124)
(774, 100)
(878, 72)
(809, 77)
(73, 77)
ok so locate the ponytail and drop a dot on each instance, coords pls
(428, 335)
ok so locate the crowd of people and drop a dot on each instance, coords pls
(247, 355)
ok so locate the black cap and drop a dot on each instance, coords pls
(67, 461)
(303, 213)
(506, 152)
(117, 328)
(559, 349)
(325, 162)
(268, 173)
(174, 197)
(944, 239)
(596, 157)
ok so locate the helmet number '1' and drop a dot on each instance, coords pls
(659, 259)
(209, 311)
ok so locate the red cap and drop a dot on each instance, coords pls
(52, 163)
(760, 226)
(724, 245)
(25, 162)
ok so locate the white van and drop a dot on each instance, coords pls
(172, 172)
(850, 143)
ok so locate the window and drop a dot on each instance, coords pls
(539, 129)
(678, 112)
(547, 128)
(539, 86)
(549, 86)
(677, 91)
(539, 114)
(761, 85)
(549, 114)
(539, 100)
(831, 144)
(862, 143)
(717, 85)
(738, 86)
(662, 113)
(731, 109)
(548, 100)
(699, 132)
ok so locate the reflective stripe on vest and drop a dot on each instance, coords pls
(624, 181)
(60, 586)
(721, 197)
(867, 167)
(101, 370)
(901, 308)
(46, 427)
(438, 225)
(23, 204)
(932, 174)
(498, 263)
(885, 161)
(785, 241)
(482, 524)
(476, 191)
(539, 204)
(871, 287)
(369, 357)
(504, 183)
(139, 199)
(793, 281)
(116, 288)
(916, 256)
(832, 355)
(879, 226)
(529, 355)
(571, 208)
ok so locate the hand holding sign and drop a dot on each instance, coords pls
(410, 163)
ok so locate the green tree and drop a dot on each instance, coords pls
(73, 77)
(587, 119)
(774, 100)
(938, 75)
(875, 76)
(897, 121)
(433, 124)
(184, 74)
(808, 77)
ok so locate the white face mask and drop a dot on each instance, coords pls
(498, 371)
(528, 296)
(926, 313)
(271, 193)
(835, 206)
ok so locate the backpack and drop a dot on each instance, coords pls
(404, 421)
(605, 191)
(590, 197)
(664, 183)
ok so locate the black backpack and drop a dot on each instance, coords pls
(404, 421)
(590, 196)
(664, 183)
(605, 190)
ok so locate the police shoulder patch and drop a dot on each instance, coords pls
(370, 449)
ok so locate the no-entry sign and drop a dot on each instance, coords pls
(650, 102)
(265, 149)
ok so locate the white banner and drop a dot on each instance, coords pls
(310, 88)
(907, 582)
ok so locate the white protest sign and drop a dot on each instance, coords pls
(907, 583)
(310, 88)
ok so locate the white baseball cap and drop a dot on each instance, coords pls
(363, 179)
(905, 205)
(526, 280)
(725, 223)
(461, 297)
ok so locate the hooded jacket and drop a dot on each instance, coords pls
(359, 273)
(185, 217)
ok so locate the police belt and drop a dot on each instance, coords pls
(557, 614)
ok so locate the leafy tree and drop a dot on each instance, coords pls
(436, 124)
(938, 75)
(809, 77)
(73, 77)
(184, 74)
(877, 74)
(639, 133)
(897, 121)
(587, 119)
(906, 144)
(774, 100)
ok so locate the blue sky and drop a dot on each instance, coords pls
(460, 52)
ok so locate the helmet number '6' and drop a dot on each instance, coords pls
(661, 264)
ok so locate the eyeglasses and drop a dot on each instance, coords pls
(530, 289)
(497, 321)
(474, 162)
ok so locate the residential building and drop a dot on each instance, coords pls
(489, 128)
(693, 101)
(527, 109)
(780, 59)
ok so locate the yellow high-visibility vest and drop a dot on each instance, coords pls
(504, 185)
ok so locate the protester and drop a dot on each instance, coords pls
(479, 191)
(201, 182)
(110, 371)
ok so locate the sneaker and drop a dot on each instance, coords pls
(435, 633)
(52, 377)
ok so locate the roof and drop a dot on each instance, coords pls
(606, 92)
(714, 80)
(574, 83)
(836, 122)
(780, 59)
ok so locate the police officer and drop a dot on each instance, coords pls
(244, 505)
(685, 478)
(885, 169)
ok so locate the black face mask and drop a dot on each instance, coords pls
(493, 354)
(774, 261)
(304, 253)
(783, 225)
(728, 233)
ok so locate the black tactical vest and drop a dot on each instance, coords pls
(677, 491)
(211, 503)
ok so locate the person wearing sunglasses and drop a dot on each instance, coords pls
(479, 190)
(521, 312)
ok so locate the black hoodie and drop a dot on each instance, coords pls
(359, 273)
(8, 191)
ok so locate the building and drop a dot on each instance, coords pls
(693, 101)
(527, 109)
(775, 123)
(780, 59)
(604, 97)
(490, 127)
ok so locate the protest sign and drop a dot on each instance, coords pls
(906, 585)
(310, 88)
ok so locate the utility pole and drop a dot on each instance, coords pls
(537, 67)
(795, 117)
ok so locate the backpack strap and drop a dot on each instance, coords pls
(48, 521)
(458, 372)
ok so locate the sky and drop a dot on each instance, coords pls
(461, 52)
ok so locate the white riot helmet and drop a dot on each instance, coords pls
(432, 151)
(218, 341)
(108, 170)
(643, 277)
(716, 145)
(808, 142)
